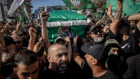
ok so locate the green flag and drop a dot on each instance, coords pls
(24, 13)
(79, 4)
(130, 7)
(100, 16)
(21, 19)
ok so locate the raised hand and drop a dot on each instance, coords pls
(9, 25)
(44, 15)
(67, 39)
(19, 23)
(32, 32)
(75, 39)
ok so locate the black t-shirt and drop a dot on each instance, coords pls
(49, 74)
(108, 75)
(7, 69)
(136, 34)
(130, 47)
(133, 69)
(74, 72)
(109, 35)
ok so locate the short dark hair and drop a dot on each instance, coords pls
(60, 41)
(26, 57)
(126, 26)
(8, 40)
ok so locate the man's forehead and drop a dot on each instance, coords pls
(114, 48)
(57, 48)
(27, 68)
(61, 50)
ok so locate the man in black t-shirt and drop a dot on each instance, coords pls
(97, 36)
(96, 59)
(96, 33)
(130, 43)
(134, 29)
(59, 63)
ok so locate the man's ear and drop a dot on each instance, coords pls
(94, 61)
(15, 70)
(48, 57)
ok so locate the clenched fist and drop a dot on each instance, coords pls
(44, 16)
(32, 32)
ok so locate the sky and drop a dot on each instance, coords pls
(41, 3)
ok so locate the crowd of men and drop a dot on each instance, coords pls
(110, 50)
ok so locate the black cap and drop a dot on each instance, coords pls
(93, 27)
(96, 50)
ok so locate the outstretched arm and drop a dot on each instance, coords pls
(135, 17)
(117, 18)
(32, 33)
(44, 16)
(76, 56)
(18, 26)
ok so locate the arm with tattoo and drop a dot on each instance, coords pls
(115, 24)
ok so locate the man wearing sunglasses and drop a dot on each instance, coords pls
(97, 36)
(96, 33)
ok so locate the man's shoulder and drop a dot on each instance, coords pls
(108, 75)
(111, 75)
(110, 35)
(110, 72)
(133, 59)
(47, 73)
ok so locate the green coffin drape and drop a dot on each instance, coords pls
(75, 21)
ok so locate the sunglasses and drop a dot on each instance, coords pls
(18, 42)
(96, 31)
